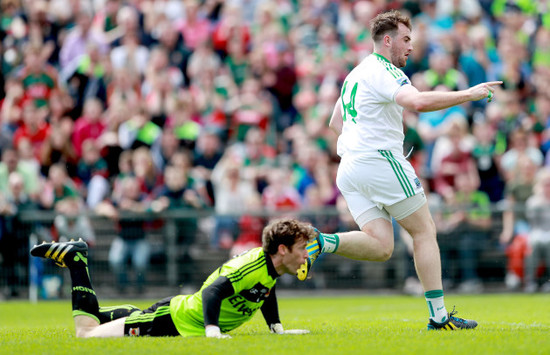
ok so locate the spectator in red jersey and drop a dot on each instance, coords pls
(279, 194)
(57, 148)
(230, 28)
(39, 78)
(90, 125)
(250, 227)
(458, 159)
(34, 127)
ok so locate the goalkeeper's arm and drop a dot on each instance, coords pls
(270, 311)
(212, 297)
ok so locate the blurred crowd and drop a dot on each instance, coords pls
(110, 106)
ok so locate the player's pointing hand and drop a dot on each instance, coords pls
(484, 90)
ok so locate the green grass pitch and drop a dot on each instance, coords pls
(508, 324)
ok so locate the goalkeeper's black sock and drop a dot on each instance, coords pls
(107, 314)
(83, 295)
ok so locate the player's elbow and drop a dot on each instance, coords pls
(417, 105)
(412, 100)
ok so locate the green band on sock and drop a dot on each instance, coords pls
(329, 242)
(86, 314)
(433, 294)
(337, 243)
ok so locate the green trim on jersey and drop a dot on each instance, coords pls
(399, 172)
(238, 275)
(379, 56)
(138, 317)
(252, 283)
(392, 69)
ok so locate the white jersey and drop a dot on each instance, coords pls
(373, 121)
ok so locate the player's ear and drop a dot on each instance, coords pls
(282, 249)
(387, 40)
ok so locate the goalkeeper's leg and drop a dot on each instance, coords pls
(107, 314)
(74, 256)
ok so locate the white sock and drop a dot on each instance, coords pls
(329, 242)
(436, 306)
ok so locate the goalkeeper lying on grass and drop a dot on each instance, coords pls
(230, 296)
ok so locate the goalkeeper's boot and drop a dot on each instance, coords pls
(314, 250)
(452, 323)
(64, 254)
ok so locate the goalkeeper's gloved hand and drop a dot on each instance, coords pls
(213, 331)
(277, 328)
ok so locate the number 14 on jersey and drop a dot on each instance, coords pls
(349, 106)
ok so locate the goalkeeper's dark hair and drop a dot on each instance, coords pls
(387, 22)
(286, 232)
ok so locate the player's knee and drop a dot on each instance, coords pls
(82, 333)
(385, 253)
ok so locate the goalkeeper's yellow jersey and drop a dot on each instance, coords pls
(252, 283)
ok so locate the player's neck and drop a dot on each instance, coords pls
(275, 265)
(277, 261)
(382, 52)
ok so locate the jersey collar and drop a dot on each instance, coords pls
(381, 57)
(270, 267)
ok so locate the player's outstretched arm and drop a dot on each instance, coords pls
(270, 311)
(412, 99)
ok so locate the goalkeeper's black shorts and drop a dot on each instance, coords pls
(154, 321)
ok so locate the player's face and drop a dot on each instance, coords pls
(295, 257)
(401, 46)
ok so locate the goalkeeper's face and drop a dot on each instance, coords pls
(294, 257)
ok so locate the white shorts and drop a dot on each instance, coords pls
(380, 181)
